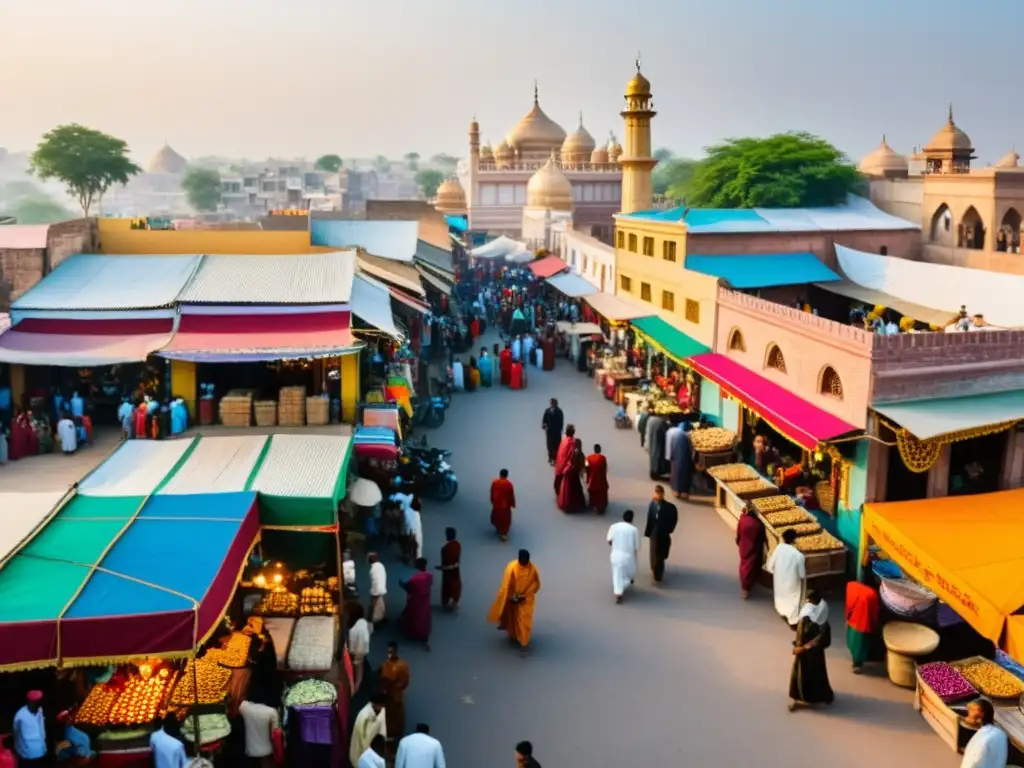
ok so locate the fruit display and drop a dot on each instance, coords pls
(788, 517)
(279, 602)
(989, 679)
(773, 504)
(235, 652)
(800, 529)
(212, 679)
(663, 407)
(307, 693)
(95, 710)
(316, 601)
(744, 487)
(141, 699)
(818, 542)
(948, 684)
(730, 473)
(712, 439)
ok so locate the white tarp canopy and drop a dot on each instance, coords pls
(571, 285)
(136, 468)
(497, 248)
(521, 257)
(21, 514)
(371, 303)
(996, 295)
(218, 465)
(302, 466)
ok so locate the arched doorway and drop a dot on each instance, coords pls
(1008, 237)
(972, 230)
(941, 231)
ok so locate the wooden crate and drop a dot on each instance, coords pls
(291, 407)
(817, 564)
(266, 413)
(235, 409)
(318, 411)
(766, 489)
(943, 720)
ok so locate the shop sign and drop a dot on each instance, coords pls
(288, 212)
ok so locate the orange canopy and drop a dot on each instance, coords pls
(969, 550)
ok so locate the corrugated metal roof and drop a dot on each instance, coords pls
(388, 239)
(218, 465)
(302, 466)
(136, 468)
(763, 270)
(371, 303)
(571, 285)
(401, 275)
(89, 281)
(317, 278)
(437, 258)
(23, 236)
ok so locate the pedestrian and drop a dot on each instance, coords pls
(259, 720)
(166, 745)
(29, 728)
(552, 424)
(485, 367)
(359, 633)
(416, 618)
(750, 538)
(662, 519)
(862, 619)
(808, 681)
(624, 540)
(503, 501)
(789, 572)
(76, 745)
(563, 458)
(505, 364)
(570, 491)
(989, 747)
(371, 724)
(597, 481)
(451, 577)
(513, 608)
(496, 366)
(373, 757)
(524, 755)
(420, 750)
(394, 679)
(680, 456)
(67, 434)
(378, 589)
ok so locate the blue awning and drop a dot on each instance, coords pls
(458, 223)
(763, 270)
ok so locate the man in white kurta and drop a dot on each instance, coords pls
(420, 750)
(789, 572)
(517, 349)
(369, 722)
(378, 588)
(989, 747)
(68, 435)
(624, 539)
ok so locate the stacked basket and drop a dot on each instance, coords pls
(236, 408)
(266, 413)
(318, 411)
(291, 407)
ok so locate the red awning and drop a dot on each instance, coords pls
(795, 418)
(547, 267)
(241, 338)
(83, 343)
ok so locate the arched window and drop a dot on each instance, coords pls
(736, 341)
(830, 384)
(774, 358)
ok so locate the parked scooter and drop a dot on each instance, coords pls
(444, 392)
(427, 412)
(426, 472)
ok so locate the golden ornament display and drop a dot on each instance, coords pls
(95, 710)
(212, 678)
(921, 455)
(316, 601)
(234, 654)
(141, 700)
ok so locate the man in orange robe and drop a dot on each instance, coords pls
(513, 608)
(503, 501)
(505, 364)
(563, 459)
(597, 480)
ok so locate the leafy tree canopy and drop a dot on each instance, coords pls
(445, 161)
(661, 155)
(89, 162)
(428, 181)
(787, 170)
(202, 188)
(412, 160)
(329, 163)
(37, 210)
(672, 178)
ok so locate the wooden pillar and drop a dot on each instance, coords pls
(1011, 474)
(349, 387)
(938, 475)
(183, 384)
(877, 465)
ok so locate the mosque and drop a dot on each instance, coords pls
(538, 174)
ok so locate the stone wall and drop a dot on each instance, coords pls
(20, 269)
(70, 237)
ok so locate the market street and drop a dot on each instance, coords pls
(685, 675)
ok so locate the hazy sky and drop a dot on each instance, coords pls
(255, 78)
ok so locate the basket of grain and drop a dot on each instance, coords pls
(712, 439)
(291, 407)
(266, 413)
(235, 408)
(318, 411)
(771, 504)
(728, 473)
(752, 489)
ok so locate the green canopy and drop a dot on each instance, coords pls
(668, 339)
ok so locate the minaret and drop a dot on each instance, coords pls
(636, 161)
(474, 163)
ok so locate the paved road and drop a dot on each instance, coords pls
(684, 675)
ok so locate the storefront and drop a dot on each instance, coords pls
(662, 351)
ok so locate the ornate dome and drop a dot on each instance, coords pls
(451, 198)
(639, 85)
(614, 149)
(599, 155)
(950, 138)
(549, 188)
(1010, 160)
(884, 159)
(167, 161)
(486, 152)
(536, 132)
(578, 145)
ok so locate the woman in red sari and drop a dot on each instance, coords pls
(503, 501)
(750, 540)
(505, 363)
(548, 345)
(597, 480)
(416, 620)
(23, 439)
(570, 492)
(451, 577)
(563, 459)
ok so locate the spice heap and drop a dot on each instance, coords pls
(234, 654)
(773, 504)
(729, 473)
(948, 684)
(712, 439)
(213, 680)
(741, 487)
(788, 517)
(280, 602)
(990, 679)
(819, 542)
(800, 529)
(141, 699)
(316, 601)
(95, 710)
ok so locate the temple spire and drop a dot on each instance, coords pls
(536, 92)
(951, 111)
(638, 61)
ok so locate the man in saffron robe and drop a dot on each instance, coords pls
(513, 608)
(750, 538)
(416, 617)
(597, 480)
(451, 577)
(505, 363)
(563, 459)
(552, 423)
(394, 679)
(503, 501)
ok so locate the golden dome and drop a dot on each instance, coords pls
(639, 85)
(503, 150)
(614, 149)
(1010, 160)
(536, 131)
(599, 155)
(167, 161)
(451, 198)
(549, 188)
(950, 138)
(882, 160)
(578, 145)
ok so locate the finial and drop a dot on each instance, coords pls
(536, 92)
(883, 138)
(951, 111)
(581, 118)
(638, 62)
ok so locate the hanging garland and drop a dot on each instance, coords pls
(921, 455)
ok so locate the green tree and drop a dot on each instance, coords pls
(428, 181)
(445, 162)
(202, 188)
(672, 178)
(787, 170)
(662, 155)
(329, 163)
(89, 162)
(382, 164)
(37, 210)
(412, 160)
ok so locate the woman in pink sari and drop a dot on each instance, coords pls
(416, 618)
(570, 491)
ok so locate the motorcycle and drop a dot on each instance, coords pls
(444, 392)
(428, 412)
(428, 474)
